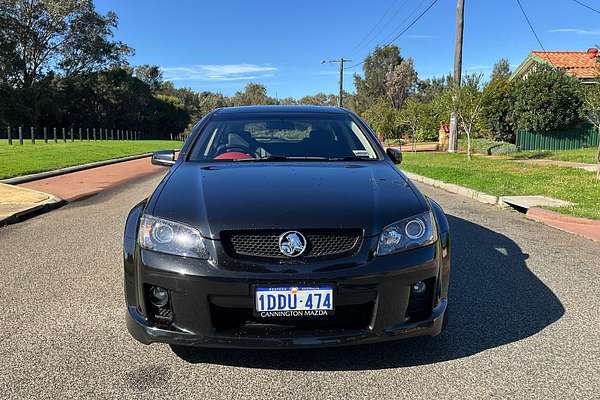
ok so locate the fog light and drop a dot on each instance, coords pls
(159, 297)
(419, 287)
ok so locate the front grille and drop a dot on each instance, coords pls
(265, 244)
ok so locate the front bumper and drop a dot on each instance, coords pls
(199, 290)
(141, 331)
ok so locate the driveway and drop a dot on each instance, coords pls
(524, 320)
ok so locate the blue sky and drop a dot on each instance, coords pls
(222, 45)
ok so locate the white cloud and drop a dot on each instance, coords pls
(576, 31)
(218, 72)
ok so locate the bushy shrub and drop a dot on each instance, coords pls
(489, 147)
(502, 148)
(547, 99)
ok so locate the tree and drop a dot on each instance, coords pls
(501, 69)
(497, 109)
(411, 116)
(151, 75)
(383, 118)
(288, 101)
(209, 101)
(87, 46)
(68, 34)
(466, 99)
(546, 100)
(591, 109)
(376, 67)
(429, 90)
(400, 81)
(253, 94)
(319, 99)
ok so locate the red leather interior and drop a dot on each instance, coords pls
(231, 155)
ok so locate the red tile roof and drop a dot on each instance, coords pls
(580, 64)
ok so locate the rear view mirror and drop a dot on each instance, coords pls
(395, 154)
(165, 158)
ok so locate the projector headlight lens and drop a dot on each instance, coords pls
(407, 234)
(170, 237)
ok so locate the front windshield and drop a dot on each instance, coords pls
(276, 137)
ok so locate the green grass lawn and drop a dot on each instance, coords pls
(504, 177)
(30, 158)
(580, 155)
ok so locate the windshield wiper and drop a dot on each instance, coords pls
(348, 158)
(303, 158)
(283, 158)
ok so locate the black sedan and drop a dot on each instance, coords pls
(281, 227)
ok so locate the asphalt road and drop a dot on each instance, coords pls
(525, 306)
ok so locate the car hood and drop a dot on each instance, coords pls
(286, 195)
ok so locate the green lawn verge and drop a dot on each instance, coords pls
(31, 158)
(580, 155)
(504, 177)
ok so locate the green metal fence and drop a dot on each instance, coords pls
(566, 139)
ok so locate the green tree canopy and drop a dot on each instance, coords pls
(69, 35)
(497, 108)
(254, 93)
(547, 99)
(151, 75)
(383, 118)
(376, 67)
(501, 69)
(400, 82)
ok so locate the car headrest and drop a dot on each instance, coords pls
(321, 136)
(235, 139)
(247, 136)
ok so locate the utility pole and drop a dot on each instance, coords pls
(341, 62)
(458, 42)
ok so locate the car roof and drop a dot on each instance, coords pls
(281, 109)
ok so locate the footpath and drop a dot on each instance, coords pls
(24, 200)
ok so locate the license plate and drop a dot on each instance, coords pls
(294, 301)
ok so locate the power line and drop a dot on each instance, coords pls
(407, 18)
(385, 14)
(403, 30)
(530, 25)
(383, 28)
(412, 23)
(586, 6)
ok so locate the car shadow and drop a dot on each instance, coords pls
(494, 300)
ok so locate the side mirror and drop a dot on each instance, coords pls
(395, 154)
(165, 158)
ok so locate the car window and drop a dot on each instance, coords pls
(282, 137)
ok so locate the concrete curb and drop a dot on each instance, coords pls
(456, 189)
(48, 174)
(50, 204)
